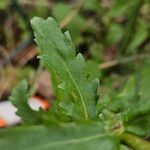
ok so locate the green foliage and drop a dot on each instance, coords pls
(114, 34)
(77, 120)
(92, 69)
(4, 4)
(120, 7)
(76, 25)
(45, 138)
(92, 5)
(140, 36)
(70, 68)
(19, 99)
(139, 126)
(132, 105)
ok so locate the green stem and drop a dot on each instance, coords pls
(135, 142)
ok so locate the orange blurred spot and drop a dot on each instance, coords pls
(45, 104)
(2, 123)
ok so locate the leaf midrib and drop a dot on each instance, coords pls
(80, 95)
(71, 141)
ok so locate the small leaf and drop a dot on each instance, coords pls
(126, 98)
(19, 99)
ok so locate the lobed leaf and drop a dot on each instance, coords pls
(57, 51)
(19, 99)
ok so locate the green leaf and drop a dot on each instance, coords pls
(140, 36)
(68, 137)
(59, 54)
(139, 127)
(120, 7)
(137, 117)
(126, 98)
(140, 109)
(103, 103)
(19, 98)
(142, 106)
(145, 82)
(122, 101)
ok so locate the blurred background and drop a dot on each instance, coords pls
(113, 36)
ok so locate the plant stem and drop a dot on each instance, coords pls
(71, 15)
(122, 61)
(135, 142)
